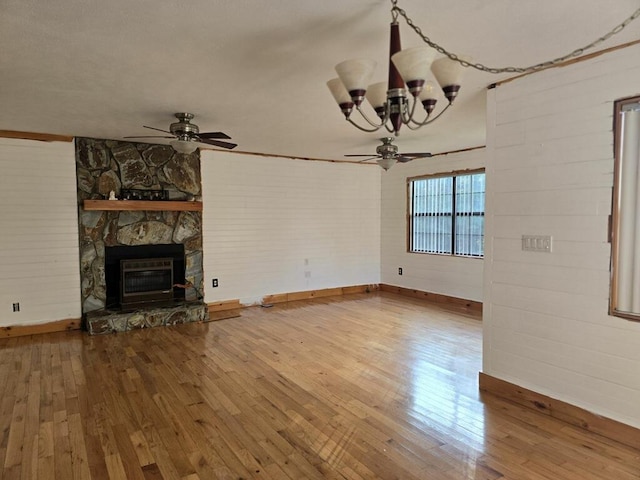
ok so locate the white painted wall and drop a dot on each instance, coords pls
(453, 276)
(39, 263)
(550, 172)
(267, 221)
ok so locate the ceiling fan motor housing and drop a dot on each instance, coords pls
(183, 129)
(387, 149)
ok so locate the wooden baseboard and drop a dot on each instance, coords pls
(224, 309)
(470, 305)
(224, 305)
(566, 412)
(50, 327)
(309, 294)
(215, 308)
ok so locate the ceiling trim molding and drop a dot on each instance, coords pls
(41, 137)
(583, 58)
(288, 157)
(291, 157)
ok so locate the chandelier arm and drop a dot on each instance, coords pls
(375, 129)
(373, 124)
(429, 119)
(533, 68)
(407, 116)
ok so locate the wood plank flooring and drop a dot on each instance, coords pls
(357, 387)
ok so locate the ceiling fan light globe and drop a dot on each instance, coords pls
(386, 162)
(184, 146)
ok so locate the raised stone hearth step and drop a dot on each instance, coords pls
(103, 321)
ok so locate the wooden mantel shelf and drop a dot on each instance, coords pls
(149, 205)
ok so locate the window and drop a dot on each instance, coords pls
(447, 214)
(625, 231)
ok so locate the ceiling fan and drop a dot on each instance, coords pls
(387, 154)
(186, 135)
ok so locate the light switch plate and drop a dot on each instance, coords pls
(536, 243)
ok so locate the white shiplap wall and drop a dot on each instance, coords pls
(452, 276)
(546, 327)
(39, 262)
(273, 225)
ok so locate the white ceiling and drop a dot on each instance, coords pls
(256, 69)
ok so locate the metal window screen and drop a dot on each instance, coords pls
(447, 215)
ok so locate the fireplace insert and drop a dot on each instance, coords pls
(146, 280)
(142, 275)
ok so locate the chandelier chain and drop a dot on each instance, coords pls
(533, 68)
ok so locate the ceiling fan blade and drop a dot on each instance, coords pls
(149, 136)
(417, 155)
(408, 157)
(217, 135)
(158, 129)
(359, 155)
(218, 143)
(367, 159)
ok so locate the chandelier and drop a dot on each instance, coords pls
(414, 67)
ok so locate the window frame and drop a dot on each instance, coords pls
(409, 214)
(614, 225)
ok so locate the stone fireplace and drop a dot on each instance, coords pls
(146, 240)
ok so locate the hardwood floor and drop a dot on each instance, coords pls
(359, 387)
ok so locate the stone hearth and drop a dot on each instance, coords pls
(102, 322)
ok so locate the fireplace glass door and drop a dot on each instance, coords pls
(146, 280)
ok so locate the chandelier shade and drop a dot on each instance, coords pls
(339, 92)
(377, 95)
(355, 76)
(414, 64)
(428, 91)
(447, 71)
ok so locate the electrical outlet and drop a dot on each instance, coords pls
(214, 282)
(16, 307)
(399, 270)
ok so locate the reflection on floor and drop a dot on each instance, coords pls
(357, 387)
